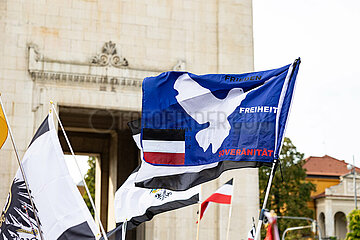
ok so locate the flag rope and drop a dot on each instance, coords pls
(82, 176)
(22, 170)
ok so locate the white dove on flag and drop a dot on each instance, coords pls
(204, 107)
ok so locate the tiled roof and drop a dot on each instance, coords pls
(319, 195)
(326, 166)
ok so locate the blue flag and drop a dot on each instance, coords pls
(193, 120)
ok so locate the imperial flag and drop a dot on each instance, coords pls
(59, 206)
(223, 195)
(136, 205)
(193, 127)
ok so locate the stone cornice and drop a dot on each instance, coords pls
(108, 70)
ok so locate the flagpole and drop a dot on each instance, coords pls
(198, 221)
(22, 170)
(261, 217)
(82, 176)
(123, 230)
(228, 227)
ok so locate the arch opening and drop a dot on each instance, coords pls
(340, 225)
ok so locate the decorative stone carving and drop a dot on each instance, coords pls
(86, 79)
(180, 66)
(109, 56)
(35, 53)
(107, 71)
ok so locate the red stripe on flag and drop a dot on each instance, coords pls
(217, 198)
(165, 158)
(204, 205)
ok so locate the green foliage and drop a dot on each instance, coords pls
(90, 181)
(288, 197)
(354, 225)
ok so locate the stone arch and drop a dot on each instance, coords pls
(340, 225)
(322, 224)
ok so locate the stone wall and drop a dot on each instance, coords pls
(201, 36)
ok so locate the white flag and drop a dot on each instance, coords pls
(60, 208)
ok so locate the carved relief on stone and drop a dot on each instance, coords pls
(109, 57)
(180, 65)
(43, 69)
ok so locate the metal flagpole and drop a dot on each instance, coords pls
(228, 227)
(123, 230)
(261, 217)
(198, 221)
(22, 170)
(82, 176)
(282, 96)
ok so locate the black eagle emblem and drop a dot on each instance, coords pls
(18, 215)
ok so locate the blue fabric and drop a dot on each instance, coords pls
(251, 134)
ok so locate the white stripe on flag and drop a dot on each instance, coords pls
(147, 170)
(164, 146)
(226, 189)
(131, 201)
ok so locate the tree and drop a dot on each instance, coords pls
(288, 196)
(90, 181)
(354, 225)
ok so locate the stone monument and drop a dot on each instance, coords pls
(90, 57)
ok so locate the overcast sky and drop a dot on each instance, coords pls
(326, 35)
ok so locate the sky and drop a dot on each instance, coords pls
(326, 35)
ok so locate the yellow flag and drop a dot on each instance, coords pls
(3, 128)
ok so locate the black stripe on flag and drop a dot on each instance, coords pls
(135, 126)
(184, 181)
(150, 213)
(78, 232)
(230, 182)
(163, 134)
(44, 127)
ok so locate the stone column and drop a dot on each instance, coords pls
(329, 218)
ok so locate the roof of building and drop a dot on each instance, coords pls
(320, 195)
(326, 166)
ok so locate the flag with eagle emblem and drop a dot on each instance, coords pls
(135, 205)
(59, 206)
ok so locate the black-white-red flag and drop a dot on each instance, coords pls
(135, 205)
(223, 195)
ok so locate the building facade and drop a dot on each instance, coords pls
(334, 205)
(333, 198)
(89, 57)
